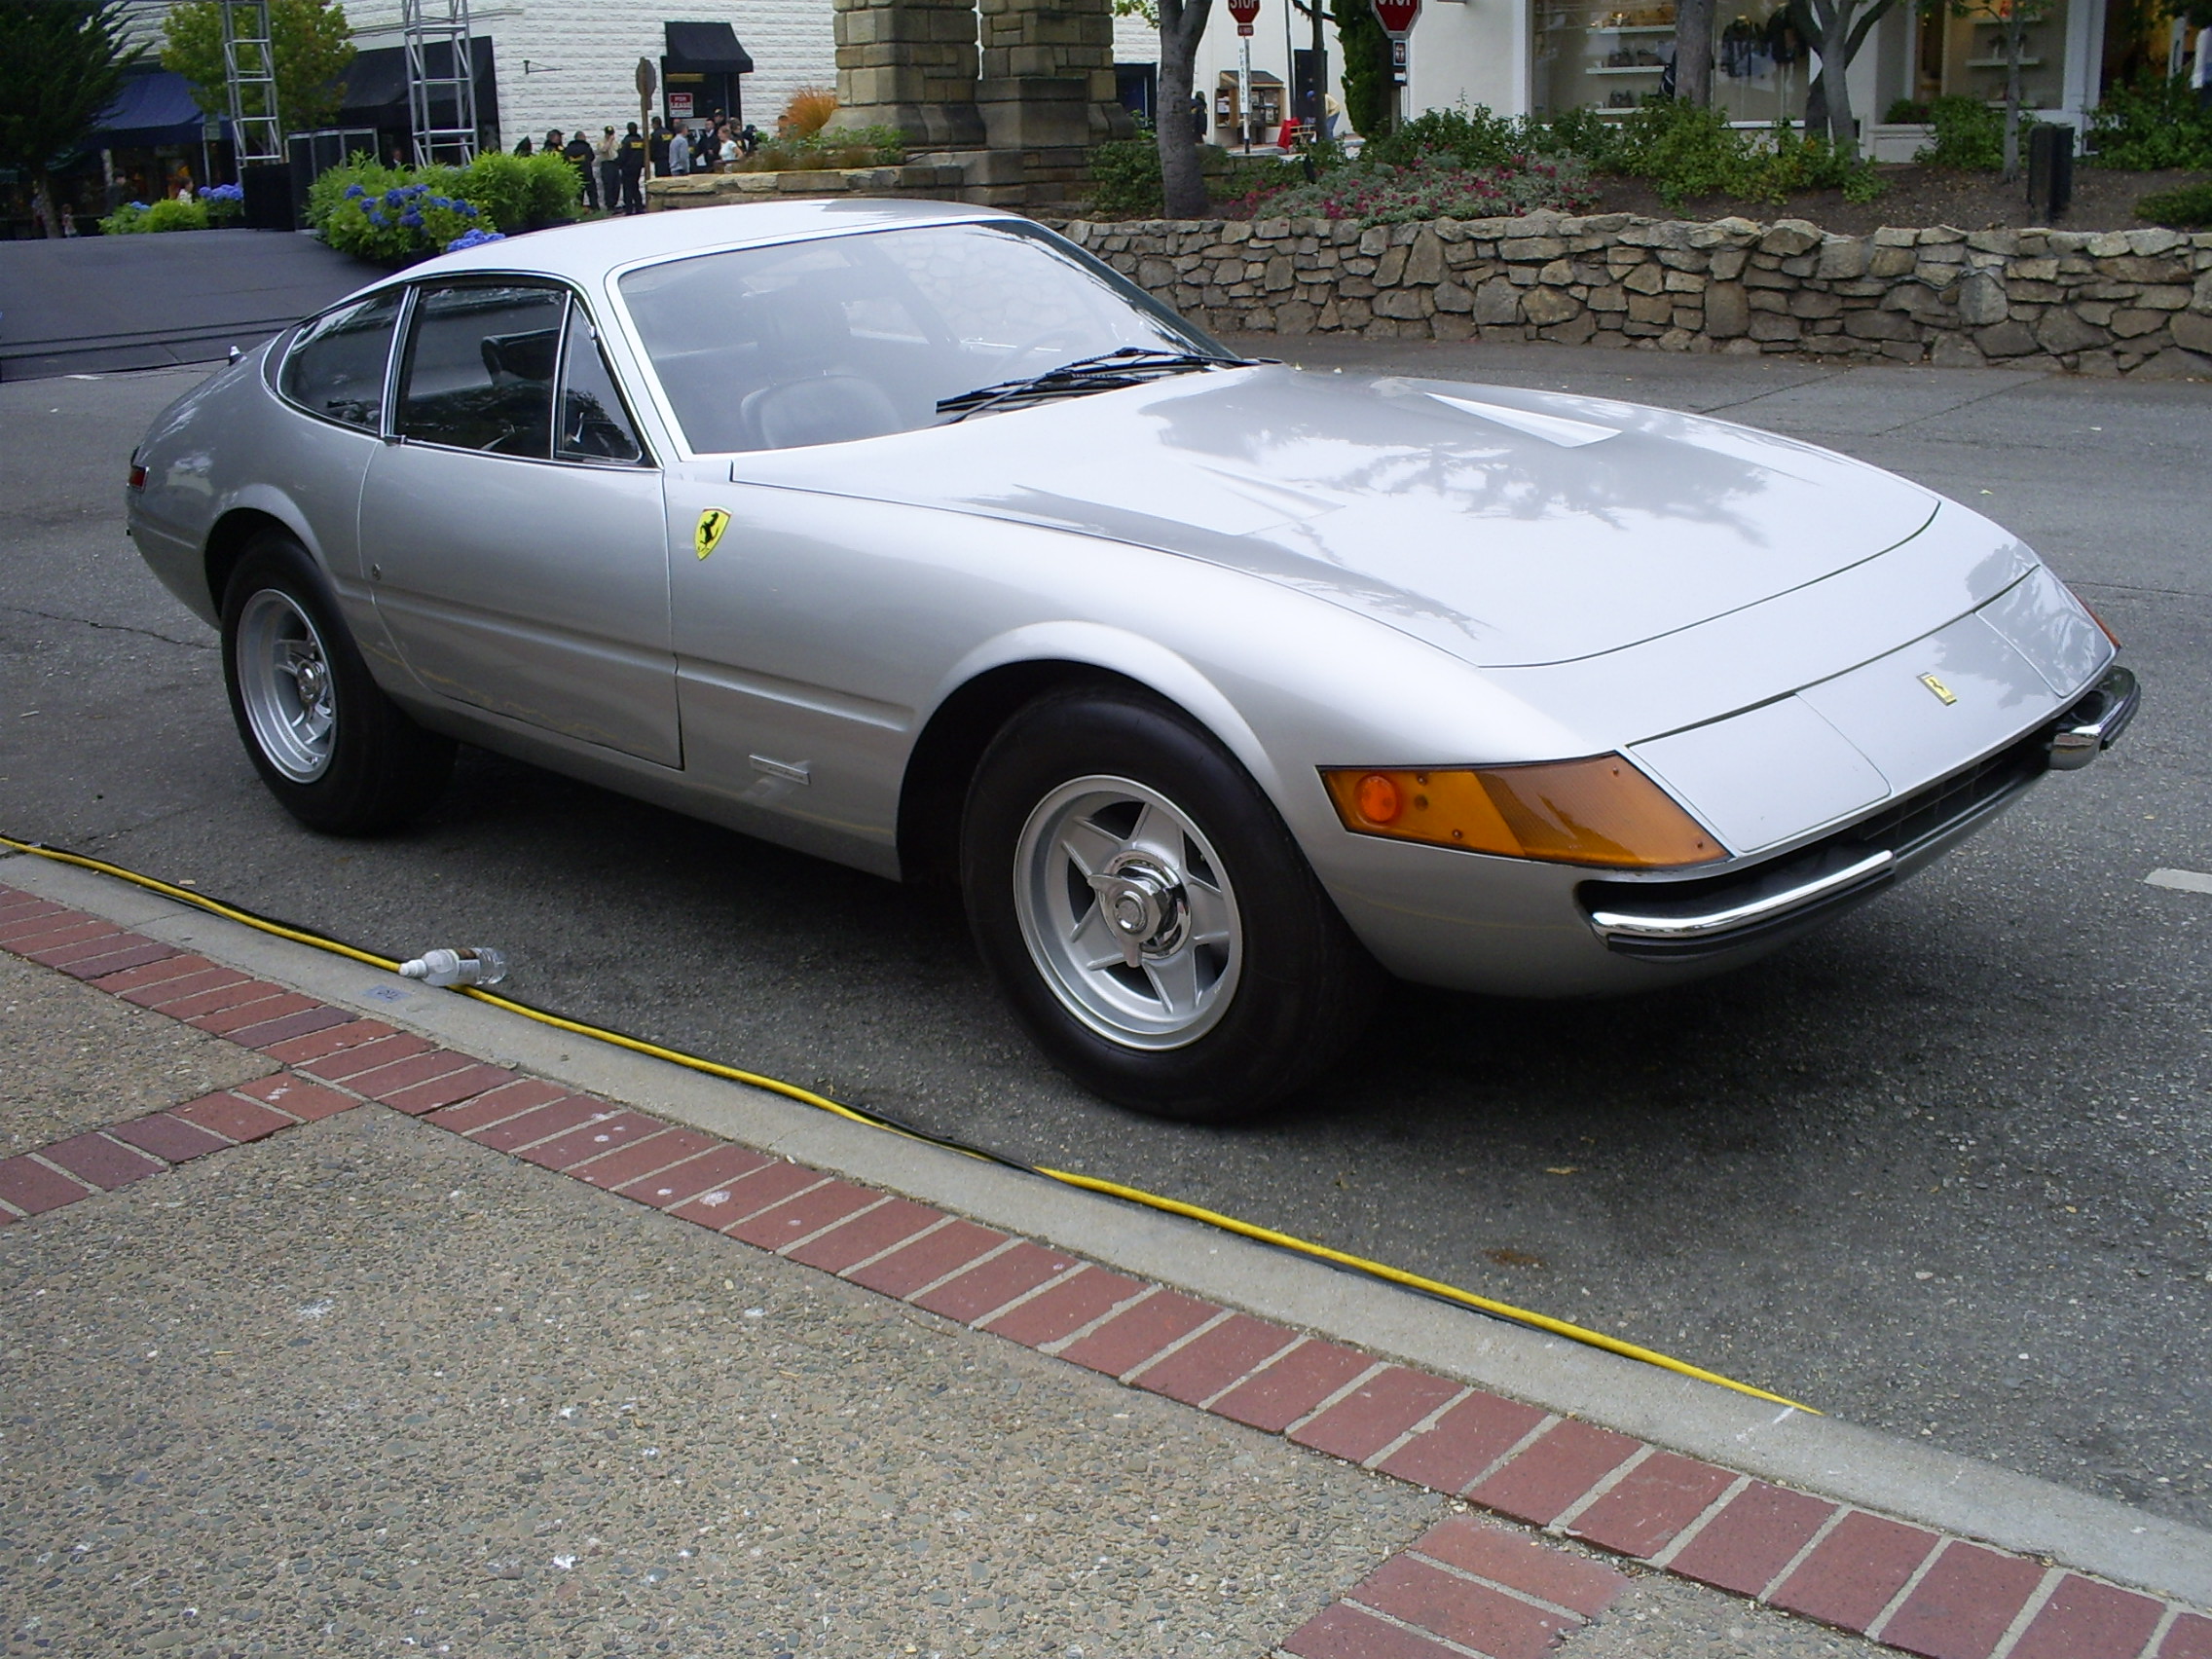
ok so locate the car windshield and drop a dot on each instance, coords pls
(856, 336)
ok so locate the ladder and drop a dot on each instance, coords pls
(249, 74)
(441, 96)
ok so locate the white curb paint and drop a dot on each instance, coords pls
(2182, 881)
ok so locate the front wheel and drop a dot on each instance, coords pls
(1148, 915)
(333, 749)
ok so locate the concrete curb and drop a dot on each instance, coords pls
(1934, 1489)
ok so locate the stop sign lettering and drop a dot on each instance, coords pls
(1244, 10)
(1397, 16)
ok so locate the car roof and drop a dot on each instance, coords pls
(584, 253)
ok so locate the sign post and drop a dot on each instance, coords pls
(1245, 12)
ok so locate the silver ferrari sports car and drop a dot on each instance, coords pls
(914, 536)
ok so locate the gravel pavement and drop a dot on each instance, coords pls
(367, 1388)
(76, 1058)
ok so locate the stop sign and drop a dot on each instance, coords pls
(1244, 12)
(1397, 16)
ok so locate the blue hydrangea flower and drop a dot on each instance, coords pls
(395, 196)
(411, 219)
(473, 238)
(378, 219)
(353, 192)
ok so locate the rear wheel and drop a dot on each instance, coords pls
(1148, 915)
(335, 750)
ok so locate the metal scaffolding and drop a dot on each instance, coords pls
(249, 72)
(441, 87)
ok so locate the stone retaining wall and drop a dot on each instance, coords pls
(2122, 302)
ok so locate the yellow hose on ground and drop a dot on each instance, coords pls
(792, 1092)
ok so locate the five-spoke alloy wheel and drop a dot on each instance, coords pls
(338, 753)
(1123, 908)
(1147, 913)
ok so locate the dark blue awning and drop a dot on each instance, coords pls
(154, 108)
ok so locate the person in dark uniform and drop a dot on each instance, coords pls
(580, 156)
(657, 147)
(630, 157)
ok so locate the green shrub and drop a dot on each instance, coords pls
(393, 215)
(845, 147)
(179, 213)
(1581, 132)
(2186, 209)
(1968, 134)
(1683, 151)
(1124, 179)
(2154, 123)
(1471, 137)
(1906, 112)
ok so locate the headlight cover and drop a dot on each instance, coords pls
(1598, 811)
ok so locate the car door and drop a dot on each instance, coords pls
(513, 527)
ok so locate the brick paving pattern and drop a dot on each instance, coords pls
(1468, 1586)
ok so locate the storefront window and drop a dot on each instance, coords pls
(1599, 55)
(1965, 56)
(1592, 53)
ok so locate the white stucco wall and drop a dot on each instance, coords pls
(583, 54)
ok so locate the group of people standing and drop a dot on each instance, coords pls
(612, 169)
(719, 143)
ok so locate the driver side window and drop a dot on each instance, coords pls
(480, 366)
(594, 425)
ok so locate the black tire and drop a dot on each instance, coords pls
(1299, 988)
(340, 756)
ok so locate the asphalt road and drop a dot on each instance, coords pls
(1946, 1169)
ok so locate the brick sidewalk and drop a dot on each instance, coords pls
(1464, 1587)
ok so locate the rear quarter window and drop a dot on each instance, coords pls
(336, 365)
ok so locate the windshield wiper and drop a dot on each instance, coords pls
(1131, 365)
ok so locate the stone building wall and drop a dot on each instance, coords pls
(2132, 302)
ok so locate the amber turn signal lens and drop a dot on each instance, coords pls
(1599, 811)
(1377, 800)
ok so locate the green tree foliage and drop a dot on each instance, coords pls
(314, 45)
(1370, 97)
(61, 62)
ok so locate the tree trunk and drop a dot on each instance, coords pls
(2016, 37)
(42, 188)
(1182, 181)
(1693, 51)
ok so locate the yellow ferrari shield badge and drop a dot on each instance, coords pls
(709, 536)
(1943, 693)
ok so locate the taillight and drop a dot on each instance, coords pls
(138, 476)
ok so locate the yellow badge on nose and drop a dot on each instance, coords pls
(709, 536)
(1943, 693)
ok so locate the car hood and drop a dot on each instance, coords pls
(1511, 527)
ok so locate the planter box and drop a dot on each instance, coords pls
(1896, 141)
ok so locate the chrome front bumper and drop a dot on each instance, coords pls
(1676, 921)
(2093, 724)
